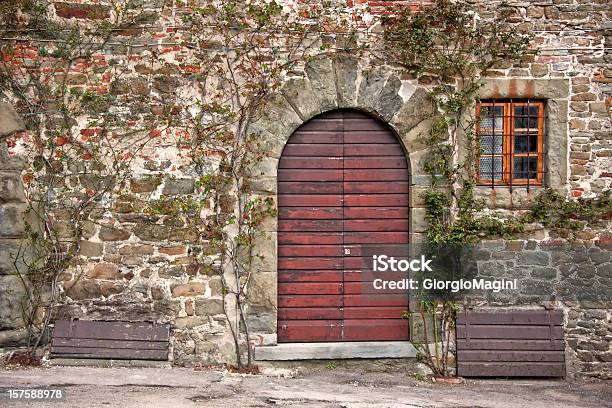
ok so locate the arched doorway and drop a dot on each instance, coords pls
(343, 183)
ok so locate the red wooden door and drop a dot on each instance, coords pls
(342, 184)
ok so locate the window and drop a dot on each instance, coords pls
(511, 140)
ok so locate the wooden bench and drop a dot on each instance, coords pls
(513, 343)
(110, 340)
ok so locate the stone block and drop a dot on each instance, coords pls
(345, 69)
(533, 258)
(144, 185)
(11, 188)
(544, 273)
(105, 271)
(299, 93)
(83, 289)
(188, 289)
(9, 250)
(264, 185)
(13, 338)
(90, 249)
(10, 122)
(12, 292)
(208, 307)
(176, 186)
(418, 222)
(11, 220)
(262, 321)
(152, 232)
(262, 290)
(171, 272)
(389, 101)
(189, 322)
(173, 250)
(320, 73)
(113, 234)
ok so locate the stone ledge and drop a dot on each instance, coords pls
(336, 350)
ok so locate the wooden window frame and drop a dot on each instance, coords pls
(508, 135)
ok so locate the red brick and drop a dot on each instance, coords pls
(82, 11)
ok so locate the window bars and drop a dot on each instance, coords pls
(510, 138)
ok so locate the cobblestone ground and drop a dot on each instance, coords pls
(342, 387)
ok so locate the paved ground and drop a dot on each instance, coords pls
(318, 386)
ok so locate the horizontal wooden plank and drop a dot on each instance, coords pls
(310, 301)
(375, 175)
(111, 330)
(366, 123)
(375, 329)
(376, 237)
(310, 225)
(310, 163)
(119, 354)
(366, 287)
(310, 187)
(520, 317)
(388, 225)
(310, 238)
(110, 344)
(310, 175)
(376, 300)
(322, 123)
(308, 288)
(380, 200)
(309, 250)
(310, 263)
(307, 313)
(510, 355)
(374, 312)
(375, 187)
(322, 136)
(302, 200)
(369, 275)
(496, 344)
(309, 330)
(508, 369)
(310, 213)
(359, 263)
(310, 276)
(317, 150)
(363, 150)
(370, 136)
(398, 250)
(382, 162)
(492, 331)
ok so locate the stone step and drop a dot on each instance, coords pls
(335, 350)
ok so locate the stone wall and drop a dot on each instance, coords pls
(575, 277)
(12, 205)
(137, 266)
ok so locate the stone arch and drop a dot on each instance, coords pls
(341, 82)
(345, 82)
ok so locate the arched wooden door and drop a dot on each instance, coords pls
(342, 183)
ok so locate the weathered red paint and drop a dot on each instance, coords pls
(342, 183)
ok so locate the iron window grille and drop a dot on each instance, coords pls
(510, 137)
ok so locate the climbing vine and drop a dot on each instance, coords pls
(79, 152)
(245, 54)
(448, 48)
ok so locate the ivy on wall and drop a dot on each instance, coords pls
(447, 47)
